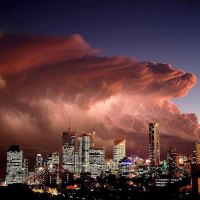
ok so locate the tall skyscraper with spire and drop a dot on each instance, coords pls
(154, 144)
(68, 148)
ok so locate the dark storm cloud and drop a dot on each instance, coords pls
(46, 79)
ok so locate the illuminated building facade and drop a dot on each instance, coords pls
(137, 161)
(55, 158)
(89, 158)
(125, 166)
(84, 145)
(109, 165)
(193, 157)
(77, 166)
(154, 144)
(119, 151)
(198, 152)
(24, 170)
(14, 165)
(52, 161)
(68, 148)
(96, 161)
(39, 160)
(182, 161)
(51, 176)
(39, 163)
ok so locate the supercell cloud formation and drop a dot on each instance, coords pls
(46, 79)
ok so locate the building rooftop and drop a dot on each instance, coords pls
(69, 133)
(118, 141)
(85, 134)
(14, 148)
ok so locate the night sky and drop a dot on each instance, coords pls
(124, 63)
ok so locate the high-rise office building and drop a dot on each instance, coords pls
(68, 148)
(14, 165)
(39, 160)
(89, 158)
(154, 144)
(198, 152)
(125, 166)
(39, 163)
(119, 151)
(77, 164)
(97, 155)
(193, 157)
(51, 177)
(52, 161)
(49, 161)
(84, 145)
(24, 170)
(78, 157)
(109, 165)
(55, 158)
(96, 161)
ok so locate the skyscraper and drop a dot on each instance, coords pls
(24, 170)
(68, 148)
(198, 152)
(55, 158)
(77, 164)
(52, 161)
(96, 161)
(14, 165)
(39, 164)
(84, 145)
(51, 176)
(154, 144)
(119, 151)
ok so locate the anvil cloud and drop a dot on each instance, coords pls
(46, 79)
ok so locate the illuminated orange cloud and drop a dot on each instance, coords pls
(2, 82)
(20, 52)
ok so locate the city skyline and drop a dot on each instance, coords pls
(85, 167)
(79, 154)
(117, 65)
(86, 157)
(85, 171)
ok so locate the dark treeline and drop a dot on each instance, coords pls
(23, 192)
